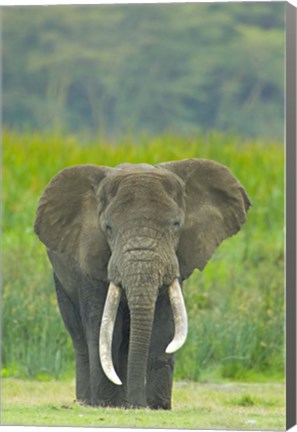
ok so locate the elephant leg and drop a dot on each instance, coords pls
(161, 365)
(72, 321)
(121, 349)
(103, 391)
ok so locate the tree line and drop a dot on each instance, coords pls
(128, 69)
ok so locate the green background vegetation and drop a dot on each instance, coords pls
(123, 69)
(148, 83)
(235, 306)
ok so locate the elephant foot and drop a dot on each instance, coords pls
(82, 402)
(106, 404)
(160, 406)
(95, 404)
(135, 406)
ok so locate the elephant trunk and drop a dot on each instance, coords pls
(142, 294)
(140, 336)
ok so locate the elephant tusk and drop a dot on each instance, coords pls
(180, 317)
(106, 331)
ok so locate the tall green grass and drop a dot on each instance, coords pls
(235, 306)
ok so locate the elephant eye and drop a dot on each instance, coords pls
(176, 225)
(108, 229)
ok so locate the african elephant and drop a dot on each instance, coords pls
(121, 241)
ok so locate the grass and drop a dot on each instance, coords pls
(239, 406)
(235, 306)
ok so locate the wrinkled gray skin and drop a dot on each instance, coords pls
(140, 227)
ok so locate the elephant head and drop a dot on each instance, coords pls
(141, 228)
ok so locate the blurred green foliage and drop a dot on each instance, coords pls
(122, 69)
(235, 306)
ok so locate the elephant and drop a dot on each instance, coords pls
(121, 241)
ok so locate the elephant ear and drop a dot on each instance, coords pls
(67, 219)
(216, 208)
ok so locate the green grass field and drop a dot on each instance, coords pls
(238, 406)
(235, 306)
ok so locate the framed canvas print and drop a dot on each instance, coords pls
(149, 195)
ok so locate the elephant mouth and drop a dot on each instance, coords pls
(109, 317)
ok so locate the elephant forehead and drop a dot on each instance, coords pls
(150, 181)
(145, 191)
(142, 189)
